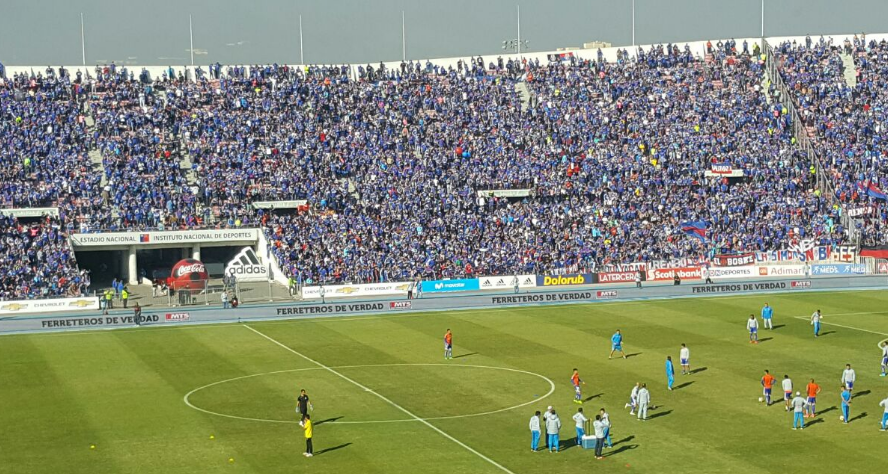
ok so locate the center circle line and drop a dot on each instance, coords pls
(187, 396)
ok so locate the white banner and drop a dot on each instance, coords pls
(505, 192)
(725, 273)
(245, 266)
(159, 238)
(369, 289)
(781, 270)
(279, 204)
(48, 306)
(506, 281)
(31, 212)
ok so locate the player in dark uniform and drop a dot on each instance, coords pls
(303, 405)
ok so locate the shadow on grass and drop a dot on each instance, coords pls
(658, 415)
(679, 387)
(779, 326)
(858, 417)
(701, 369)
(328, 420)
(625, 440)
(862, 394)
(828, 410)
(619, 450)
(826, 333)
(465, 355)
(633, 354)
(765, 339)
(597, 395)
(565, 444)
(814, 422)
(334, 448)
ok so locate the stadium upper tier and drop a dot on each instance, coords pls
(614, 151)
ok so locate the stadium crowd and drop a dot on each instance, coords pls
(392, 163)
(847, 123)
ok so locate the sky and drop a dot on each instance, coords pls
(47, 32)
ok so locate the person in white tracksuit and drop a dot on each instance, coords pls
(644, 400)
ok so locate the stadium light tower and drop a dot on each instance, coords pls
(301, 53)
(633, 22)
(191, 36)
(403, 37)
(82, 40)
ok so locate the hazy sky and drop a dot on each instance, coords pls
(41, 32)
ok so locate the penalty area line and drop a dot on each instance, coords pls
(383, 398)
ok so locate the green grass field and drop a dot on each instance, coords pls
(123, 391)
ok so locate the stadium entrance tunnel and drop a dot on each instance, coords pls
(103, 266)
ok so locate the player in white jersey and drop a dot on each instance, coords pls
(752, 325)
(684, 356)
(848, 377)
(787, 391)
(884, 358)
(815, 321)
(633, 399)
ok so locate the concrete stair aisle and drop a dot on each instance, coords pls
(850, 72)
(524, 94)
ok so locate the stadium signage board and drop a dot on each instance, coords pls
(368, 289)
(245, 266)
(732, 272)
(400, 304)
(160, 238)
(507, 281)
(606, 294)
(566, 279)
(838, 269)
(177, 317)
(737, 260)
(440, 286)
(12, 308)
(739, 287)
(541, 297)
(665, 274)
(800, 284)
(782, 270)
(618, 277)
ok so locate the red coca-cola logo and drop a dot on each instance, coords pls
(190, 274)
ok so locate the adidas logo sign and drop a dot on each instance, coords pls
(245, 266)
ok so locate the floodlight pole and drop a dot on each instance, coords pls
(403, 37)
(519, 31)
(301, 53)
(82, 40)
(633, 23)
(191, 35)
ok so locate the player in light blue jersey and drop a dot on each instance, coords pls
(846, 404)
(670, 372)
(617, 344)
(767, 313)
(815, 321)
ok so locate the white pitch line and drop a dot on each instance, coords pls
(383, 398)
(846, 327)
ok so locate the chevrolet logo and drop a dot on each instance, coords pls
(80, 303)
(403, 287)
(347, 290)
(13, 307)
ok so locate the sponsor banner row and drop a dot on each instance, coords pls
(838, 269)
(589, 278)
(147, 239)
(503, 282)
(48, 306)
(369, 289)
(442, 286)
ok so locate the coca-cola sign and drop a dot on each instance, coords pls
(189, 274)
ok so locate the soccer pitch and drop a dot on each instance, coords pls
(221, 398)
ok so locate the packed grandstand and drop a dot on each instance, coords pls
(517, 166)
